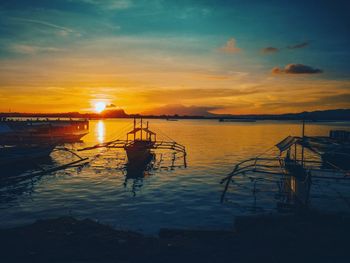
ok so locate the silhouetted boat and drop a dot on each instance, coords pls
(139, 148)
(42, 130)
(21, 154)
(301, 161)
(140, 143)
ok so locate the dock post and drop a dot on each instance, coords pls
(134, 128)
(141, 129)
(302, 146)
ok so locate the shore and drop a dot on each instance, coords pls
(307, 238)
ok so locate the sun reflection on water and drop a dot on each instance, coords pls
(100, 131)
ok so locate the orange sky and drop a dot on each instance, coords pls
(144, 55)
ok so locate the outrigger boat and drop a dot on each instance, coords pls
(140, 145)
(299, 163)
(24, 153)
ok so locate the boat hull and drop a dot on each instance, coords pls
(42, 131)
(139, 153)
(23, 154)
(16, 138)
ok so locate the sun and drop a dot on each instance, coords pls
(100, 106)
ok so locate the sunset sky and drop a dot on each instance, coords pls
(139, 55)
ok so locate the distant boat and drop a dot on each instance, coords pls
(42, 130)
(236, 120)
(171, 119)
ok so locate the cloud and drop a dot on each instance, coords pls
(110, 106)
(300, 45)
(31, 50)
(61, 29)
(269, 50)
(296, 69)
(331, 101)
(110, 4)
(230, 47)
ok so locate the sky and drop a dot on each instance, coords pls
(225, 57)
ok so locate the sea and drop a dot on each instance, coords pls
(169, 194)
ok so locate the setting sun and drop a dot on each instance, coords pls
(100, 106)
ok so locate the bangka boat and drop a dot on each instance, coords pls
(15, 131)
(140, 145)
(299, 163)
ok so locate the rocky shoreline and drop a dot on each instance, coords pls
(306, 238)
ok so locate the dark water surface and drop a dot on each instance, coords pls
(179, 198)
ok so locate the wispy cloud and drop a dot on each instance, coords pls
(329, 101)
(31, 50)
(110, 4)
(296, 69)
(230, 47)
(299, 45)
(44, 23)
(269, 50)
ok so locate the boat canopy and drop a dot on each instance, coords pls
(141, 133)
(287, 142)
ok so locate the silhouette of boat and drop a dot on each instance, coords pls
(23, 153)
(140, 145)
(42, 130)
(138, 150)
(300, 162)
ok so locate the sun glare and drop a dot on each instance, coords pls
(100, 106)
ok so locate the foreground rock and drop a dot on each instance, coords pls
(312, 238)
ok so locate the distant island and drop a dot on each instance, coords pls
(325, 115)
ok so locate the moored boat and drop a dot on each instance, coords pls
(23, 153)
(138, 150)
(35, 131)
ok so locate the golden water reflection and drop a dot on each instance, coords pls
(100, 131)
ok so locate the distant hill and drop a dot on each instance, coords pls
(325, 115)
(338, 114)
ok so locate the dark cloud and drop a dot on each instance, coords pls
(339, 100)
(110, 106)
(269, 50)
(296, 69)
(300, 45)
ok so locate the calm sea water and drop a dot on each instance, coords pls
(178, 198)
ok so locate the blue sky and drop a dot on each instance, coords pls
(228, 56)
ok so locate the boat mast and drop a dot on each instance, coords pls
(141, 129)
(302, 146)
(149, 135)
(134, 128)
